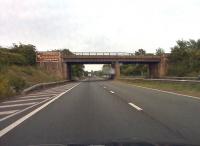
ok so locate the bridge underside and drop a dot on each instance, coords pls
(157, 65)
(155, 69)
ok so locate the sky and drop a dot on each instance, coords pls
(99, 25)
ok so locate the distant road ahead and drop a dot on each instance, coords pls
(105, 111)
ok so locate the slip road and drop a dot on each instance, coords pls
(99, 112)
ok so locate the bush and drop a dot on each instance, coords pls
(5, 89)
(17, 83)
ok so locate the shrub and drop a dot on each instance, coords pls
(17, 83)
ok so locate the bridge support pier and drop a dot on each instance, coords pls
(158, 70)
(66, 71)
(153, 70)
(116, 67)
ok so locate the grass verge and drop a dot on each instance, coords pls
(186, 88)
(13, 79)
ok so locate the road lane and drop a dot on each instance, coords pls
(89, 114)
(178, 112)
(24, 104)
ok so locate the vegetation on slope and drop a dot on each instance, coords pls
(184, 60)
(18, 69)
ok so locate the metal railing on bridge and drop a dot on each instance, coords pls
(102, 54)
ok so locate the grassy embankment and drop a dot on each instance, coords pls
(14, 79)
(18, 70)
(182, 87)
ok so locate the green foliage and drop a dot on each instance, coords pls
(27, 51)
(18, 55)
(185, 58)
(66, 52)
(135, 69)
(77, 70)
(14, 78)
(160, 51)
(17, 83)
(140, 52)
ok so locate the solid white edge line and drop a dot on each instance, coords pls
(169, 92)
(19, 121)
(135, 106)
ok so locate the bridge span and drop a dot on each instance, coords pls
(60, 63)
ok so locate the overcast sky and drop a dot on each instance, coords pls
(99, 25)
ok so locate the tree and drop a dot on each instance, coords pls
(27, 51)
(160, 51)
(140, 52)
(185, 58)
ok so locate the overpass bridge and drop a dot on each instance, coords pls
(60, 63)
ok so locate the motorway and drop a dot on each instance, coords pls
(97, 111)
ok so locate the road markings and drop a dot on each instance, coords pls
(135, 106)
(19, 121)
(20, 111)
(8, 112)
(112, 92)
(43, 94)
(35, 96)
(14, 101)
(169, 92)
(14, 105)
(104, 87)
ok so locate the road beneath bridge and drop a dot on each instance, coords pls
(97, 111)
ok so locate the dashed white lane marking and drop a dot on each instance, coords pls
(8, 112)
(16, 123)
(112, 92)
(14, 105)
(104, 87)
(14, 101)
(135, 106)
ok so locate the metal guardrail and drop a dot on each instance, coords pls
(162, 80)
(42, 86)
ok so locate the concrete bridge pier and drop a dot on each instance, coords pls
(116, 67)
(66, 71)
(158, 70)
(153, 70)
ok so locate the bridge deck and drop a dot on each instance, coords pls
(108, 57)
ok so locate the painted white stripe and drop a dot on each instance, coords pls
(54, 92)
(14, 101)
(112, 92)
(18, 122)
(35, 96)
(43, 94)
(104, 87)
(169, 92)
(20, 111)
(14, 105)
(8, 112)
(135, 106)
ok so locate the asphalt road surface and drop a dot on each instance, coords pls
(99, 112)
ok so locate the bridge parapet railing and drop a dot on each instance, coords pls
(107, 54)
(102, 54)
